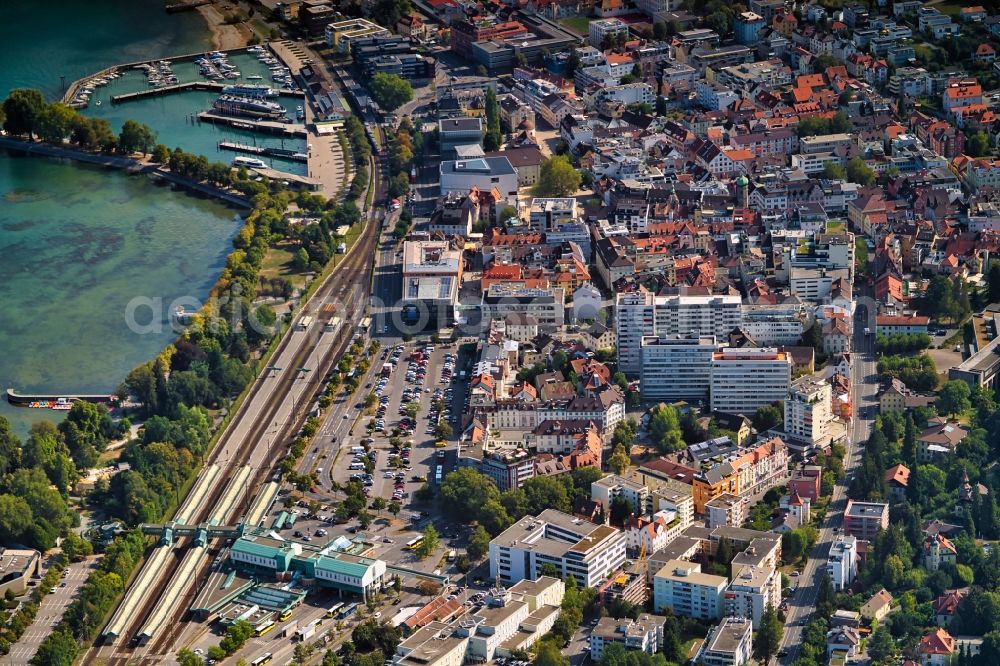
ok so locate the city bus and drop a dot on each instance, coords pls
(262, 659)
(263, 628)
(284, 616)
(347, 611)
(414, 542)
(334, 610)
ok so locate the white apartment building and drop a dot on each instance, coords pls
(685, 590)
(602, 28)
(572, 545)
(550, 213)
(655, 534)
(842, 563)
(824, 143)
(751, 591)
(726, 509)
(774, 324)
(606, 489)
(730, 643)
(745, 379)
(547, 306)
(677, 368)
(642, 313)
(808, 411)
(644, 634)
(681, 503)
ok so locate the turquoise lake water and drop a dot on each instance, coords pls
(77, 243)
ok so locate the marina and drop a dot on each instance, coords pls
(199, 111)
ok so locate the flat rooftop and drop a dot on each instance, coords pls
(430, 257)
(728, 635)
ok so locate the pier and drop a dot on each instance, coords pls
(186, 6)
(166, 90)
(285, 153)
(294, 179)
(15, 398)
(265, 126)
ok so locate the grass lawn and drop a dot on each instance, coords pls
(578, 24)
(278, 263)
(835, 225)
(948, 8)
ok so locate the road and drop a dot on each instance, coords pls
(864, 380)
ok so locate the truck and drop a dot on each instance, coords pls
(304, 323)
(386, 369)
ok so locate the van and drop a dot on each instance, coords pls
(356, 466)
(357, 449)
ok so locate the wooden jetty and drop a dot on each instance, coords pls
(166, 90)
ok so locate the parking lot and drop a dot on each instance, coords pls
(50, 612)
(407, 412)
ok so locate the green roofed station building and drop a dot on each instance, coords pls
(285, 560)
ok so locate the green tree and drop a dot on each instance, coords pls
(826, 596)
(619, 460)
(833, 171)
(21, 111)
(840, 123)
(812, 126)
(161, 154)
(665, 428)
(620, 510)
(389, 12)
(859, 172)
(881, 646)
(390, 90)
(767, 417)
(58, 649)
(378, 504)
(861, 256)
(479, 544)
(188, 658)
(430, 542)
(953, 398)
(548, 654)
(978, 145)
(768, 639)
(557, 178)
(546, 492)
(55, 122)
(136, 137)
(493, 137)
(374, 635)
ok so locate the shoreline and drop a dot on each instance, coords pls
(223, 36)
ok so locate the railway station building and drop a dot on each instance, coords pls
(285, 560)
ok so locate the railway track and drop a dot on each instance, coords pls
(352, 293)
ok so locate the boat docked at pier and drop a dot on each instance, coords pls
(237, 105)
(249, 162)
(254, 90)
